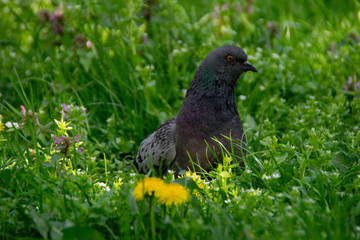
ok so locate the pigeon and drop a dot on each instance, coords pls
(209, 116)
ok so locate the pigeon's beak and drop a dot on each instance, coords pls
(250, 67)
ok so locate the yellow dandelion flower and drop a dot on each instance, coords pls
(173, 194)
(2, 127)
(148, 187)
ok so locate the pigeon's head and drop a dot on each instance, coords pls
(227, 63)
(219, 72)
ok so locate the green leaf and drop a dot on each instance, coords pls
(225, 174)
(40, 224)
(56, 157)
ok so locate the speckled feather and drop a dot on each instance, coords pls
(209, 110)
(158, 149)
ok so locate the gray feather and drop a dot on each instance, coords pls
(158, 148)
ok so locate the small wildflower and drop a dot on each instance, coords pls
(58, 140)
(151, 186)
(227, 159)
(77, 138)
(30, 114)
(173, 194)
(266, 177)
(253, 191)
(44, 16)
(23, 110)
(12, 125)
(88, 44)
(57, 21)
(80, 150)
(196, 178)
(276, 175)
(103, 186)
(227, 201)
(118, 183)
(64, 126)
(65, 109)
(79, 40)
(132, 174)
(145, 39)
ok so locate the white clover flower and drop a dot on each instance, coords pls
(275, 55)
(266, 177)
(275, 175)
(103, 185)
(12, 124)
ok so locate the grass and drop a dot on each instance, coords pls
(115, 70)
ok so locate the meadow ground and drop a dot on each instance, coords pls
(82, 83)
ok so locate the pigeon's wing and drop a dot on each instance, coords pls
(158, 149)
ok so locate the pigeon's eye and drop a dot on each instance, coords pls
(230, 58)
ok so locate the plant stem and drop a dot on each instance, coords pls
(152, 218)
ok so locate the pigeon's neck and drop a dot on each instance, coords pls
(207, 83)
(211, 95)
